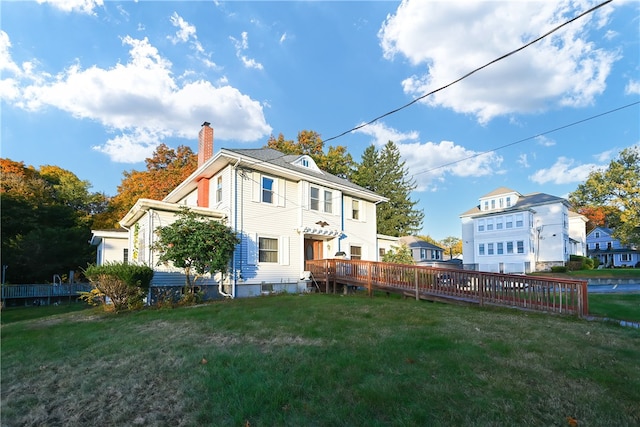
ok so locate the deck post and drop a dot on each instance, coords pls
(369, 291)
(415, 279)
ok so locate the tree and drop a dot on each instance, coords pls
(336, 161)
(46, 221)
(452, 245)
(400, 256)
(616, 189)
(166, 169)
(197, 245)
(385, 173)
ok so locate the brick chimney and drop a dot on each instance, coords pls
(205, 152)
(205, 143)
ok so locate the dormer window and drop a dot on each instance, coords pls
(306, 162)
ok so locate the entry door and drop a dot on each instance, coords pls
(312, 249)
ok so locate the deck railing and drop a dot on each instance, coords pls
(527, 292)
(43, 291)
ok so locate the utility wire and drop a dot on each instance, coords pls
(528, 138)
(472, 72)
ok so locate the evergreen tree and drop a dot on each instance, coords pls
(385, 173)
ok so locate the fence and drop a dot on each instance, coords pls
(40, 292)
(532, 293)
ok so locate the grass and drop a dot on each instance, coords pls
(615, 306)
(605, 273)
(317, 360)
(16, 314)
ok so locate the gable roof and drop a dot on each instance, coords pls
(500, 190)
(524, 203)
(274, 162)
(605, 230)
(415, 242)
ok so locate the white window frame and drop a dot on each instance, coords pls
(264, 190)
(314, 202)
(355, 209)
(268, 251)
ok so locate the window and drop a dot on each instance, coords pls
(508, 202)
(328, 201)
(520, 246)
(486, 205)
(509, 221)
(219, 190)
(519, 220)
(356, 252)
(489, 248)
(435, 254)
(355, 209)
(501, 202)
(493, 204)
(625, 257)
(481, 249)
(267, 190)
(381, 252)
(499, 223)
(125, 256)
(423, 253)
(597, 234)
(481, 225)
(305, 163)
(500, 248)
(490, 224)
(315, 199)
(609, 245)
(509, 247)
(597, 246)
(267, 249)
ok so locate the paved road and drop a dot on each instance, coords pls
(606, 289)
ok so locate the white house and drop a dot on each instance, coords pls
(610, 252)
(112, 245)
(423, 252)
(283, 207)
(513, 233)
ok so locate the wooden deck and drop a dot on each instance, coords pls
(550, 295)
(43, 292)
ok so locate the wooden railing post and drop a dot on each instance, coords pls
(415, 279)
(369, 275)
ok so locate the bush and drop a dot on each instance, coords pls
(586, 263)
(124, 284)
(596, 262)
(559, 269)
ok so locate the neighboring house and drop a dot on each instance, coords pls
(386, 244)
(513, 233)
(113, 245)
(283, 207)
(423, 252)
(602, 245)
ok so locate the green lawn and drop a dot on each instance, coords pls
(615, 306)
(319, 360)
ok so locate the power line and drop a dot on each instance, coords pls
(472, 72)
(528, 138)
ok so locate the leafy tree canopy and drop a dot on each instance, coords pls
(336, 161)
(166, 169)
(401, 255)
(384, 172)
(615, 190)
(196, 244)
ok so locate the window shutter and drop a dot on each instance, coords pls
(251, 245)
(256, 185)
(304, 197)
(282, 192)
(284, 250)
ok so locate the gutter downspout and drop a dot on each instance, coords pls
(235, 229)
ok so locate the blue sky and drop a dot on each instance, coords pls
(94, 86)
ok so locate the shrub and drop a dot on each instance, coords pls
(125, 285)
(559, 269)
(586, 263)
(596, 262)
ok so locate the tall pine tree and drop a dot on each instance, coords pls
(385, 173)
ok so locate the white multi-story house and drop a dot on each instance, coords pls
(610, 252)
(509, 232)
(283, 207)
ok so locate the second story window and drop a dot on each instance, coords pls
(509, 221)
(490, 224)
(219, 190)
(355, 209)
(509, 247)
(481, 249)
(481, 225)
(328, 201)
(520, 246)
(315, 199)
(356, 252)
(423, 253)
(490, 248)
(267, 190)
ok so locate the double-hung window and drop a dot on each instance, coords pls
(267, 249)
(267, 189)
(489, 248)
(355, 209)
(315, 199)
(500, 248)
(219, 190)
(509, 247)
(481, 249)
(520, 246)
(356, 252)
(328, 201)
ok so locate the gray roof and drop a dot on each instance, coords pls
(277, 158)
(415, 242)
(525, 202)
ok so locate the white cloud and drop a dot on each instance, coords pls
(185, 31)
(605, 156)
(81, 6)
(283, 37)
(632, 88)
(140, 100)
(242, 45)
(544, 141)
(447, 40)
(563, 171)
(430, 162)
(523, 161)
